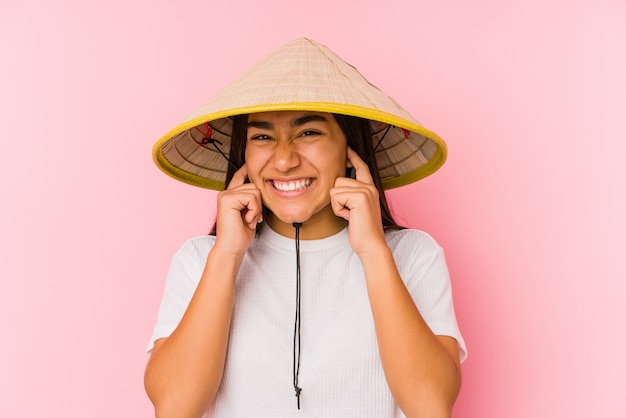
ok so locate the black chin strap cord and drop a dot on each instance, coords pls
(296, 331)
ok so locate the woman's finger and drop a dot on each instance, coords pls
(362, 170)
(239, 177)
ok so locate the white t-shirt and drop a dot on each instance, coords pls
(341, 374)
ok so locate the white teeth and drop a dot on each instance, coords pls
(291, 185)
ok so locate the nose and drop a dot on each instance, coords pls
(285, 156)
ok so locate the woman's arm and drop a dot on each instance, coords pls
(422, 369)
(185, 370)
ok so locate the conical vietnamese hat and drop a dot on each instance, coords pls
(301, 75)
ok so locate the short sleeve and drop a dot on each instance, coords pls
(423, 268)
(182, 280)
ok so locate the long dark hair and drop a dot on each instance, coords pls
(358, 134)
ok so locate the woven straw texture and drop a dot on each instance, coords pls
(302, 75)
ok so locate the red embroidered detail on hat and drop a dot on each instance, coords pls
(207, 136)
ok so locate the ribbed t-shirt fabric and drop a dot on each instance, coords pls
(341, 373)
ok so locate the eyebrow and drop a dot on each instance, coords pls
(259, 124)
(308, 118)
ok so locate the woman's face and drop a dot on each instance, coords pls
(294, 158)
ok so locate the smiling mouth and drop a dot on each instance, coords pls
(290, 186)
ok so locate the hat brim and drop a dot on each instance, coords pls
(408, 131)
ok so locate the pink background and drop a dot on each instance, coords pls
(529, 95)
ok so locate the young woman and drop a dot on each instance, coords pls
(308, 286)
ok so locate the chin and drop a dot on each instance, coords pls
(295, 215)
(292, 218)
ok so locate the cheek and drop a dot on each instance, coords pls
(333, 161)
(255, 161)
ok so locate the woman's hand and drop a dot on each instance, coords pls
(239, 210)
(422, 369)
(357, 201)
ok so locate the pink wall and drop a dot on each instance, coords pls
(530, 96)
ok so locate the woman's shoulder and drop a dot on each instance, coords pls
(198, 246)
(411, 237)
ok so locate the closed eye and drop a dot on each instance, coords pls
(310, 133)
(260, 137)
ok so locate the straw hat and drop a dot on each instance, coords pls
(301, 75)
